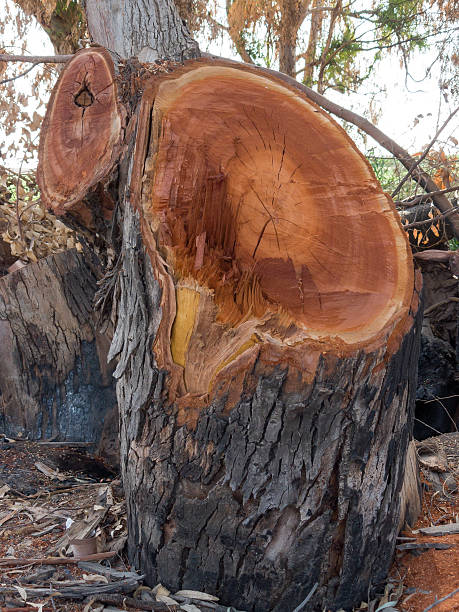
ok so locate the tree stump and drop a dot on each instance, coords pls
(266, 335)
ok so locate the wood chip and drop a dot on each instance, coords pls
(196, 595)
(47, 471)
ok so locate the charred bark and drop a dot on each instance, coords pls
(54, 379)
(266, 341)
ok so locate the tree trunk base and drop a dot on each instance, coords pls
(288, 488)
(54, 381)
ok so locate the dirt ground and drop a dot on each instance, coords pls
(41, 488)
(431, 575)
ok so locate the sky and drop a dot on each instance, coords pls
(411, 118)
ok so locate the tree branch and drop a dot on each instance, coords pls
(423, 156)
(35, 59)
(424, 221)
(18, 76)
(425, 196)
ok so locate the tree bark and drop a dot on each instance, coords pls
(149, 30)
(54, 379)
(266, 339)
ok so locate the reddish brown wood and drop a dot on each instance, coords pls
(82, 131)
(279, 236)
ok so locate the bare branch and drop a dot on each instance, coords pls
(18, 76)
(440, 600)
(423, 156)
(425, 221)
(35, 59)
(425, 196)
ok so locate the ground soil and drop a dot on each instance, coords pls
(433, 574)
(425, 576)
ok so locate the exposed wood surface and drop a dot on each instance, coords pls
(277, 231)
(82, 131)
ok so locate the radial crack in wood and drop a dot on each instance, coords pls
(82, 131)
(272, 225)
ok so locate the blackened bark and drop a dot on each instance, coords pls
(54, 379)
(287, 489)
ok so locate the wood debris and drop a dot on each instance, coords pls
(43, 507)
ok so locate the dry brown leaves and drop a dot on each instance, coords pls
(25, 225)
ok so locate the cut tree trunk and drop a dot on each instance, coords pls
(54, 379)
(267, 337)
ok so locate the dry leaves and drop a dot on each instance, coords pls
(30, 231)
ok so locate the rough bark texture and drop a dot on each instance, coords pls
(54, 379)
(288, 488)
(266, 343)
(147, 29)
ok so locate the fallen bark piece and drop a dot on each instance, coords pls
(5, 561)
(80, 530)
(47, 471)
(137, 604)
(425, 545)
(196, 595)
(97, 568)
(439, 530)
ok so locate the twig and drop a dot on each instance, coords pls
(18, 75)
(442, 398)
(425, 196)
(435, 603)
(423, 156)
(440, 216)
(130, 602)
(305, 601)
(35, 59)
(437, 305)
(5, 561)
(429, 426)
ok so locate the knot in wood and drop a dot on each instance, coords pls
(84, 98)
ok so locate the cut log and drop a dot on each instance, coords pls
(54, 378)
(80, 140)
(267, 344)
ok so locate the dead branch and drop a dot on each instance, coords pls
(424, 221)
(18, 76)
(438, 304)
(35, 59)
(425, 196)
(13, 561)
(435, 603)
(424, 155)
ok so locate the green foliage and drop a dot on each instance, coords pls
(389, 172)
